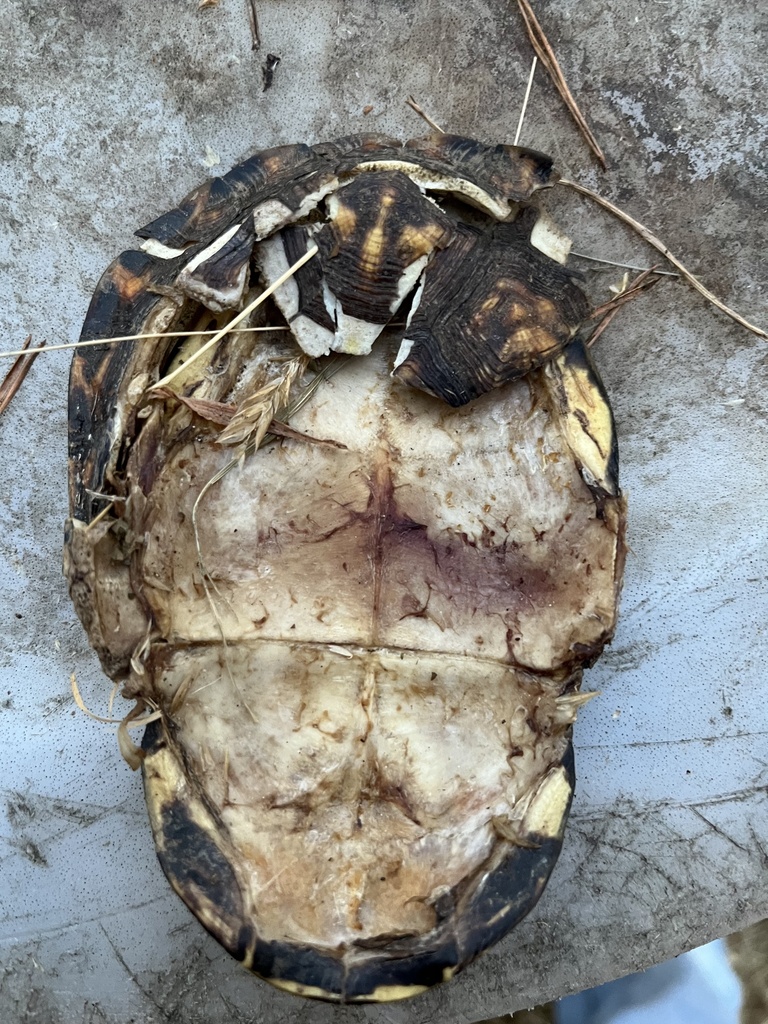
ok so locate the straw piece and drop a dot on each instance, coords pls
(131, 752)
(132, 720)
(81, 704)
(102, 515)
(525, 100)
(241, 316)
(129, 337)
(623, 266)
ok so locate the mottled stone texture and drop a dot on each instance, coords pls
(109, 113)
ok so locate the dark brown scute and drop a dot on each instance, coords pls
(207, 873)
(309, 278)
(493, 308)
(508, 172)
(507, 895)
(423, 967)
(300, 965)
(346, 153)
(193, 861)
(288, 173)
(383, 225)
(211, 208)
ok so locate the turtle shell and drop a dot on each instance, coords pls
(364, 629)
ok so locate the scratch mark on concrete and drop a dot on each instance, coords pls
(718, 830)
(121, 960)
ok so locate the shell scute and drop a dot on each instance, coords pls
(493, 308)
(508, 172)
(211, 208)
(381, 224)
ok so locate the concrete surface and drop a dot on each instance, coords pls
(109, 111)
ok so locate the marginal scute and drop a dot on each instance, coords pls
(181, 823)
(128, 300)
(546, 813)
(268, 183)
(348, 152)
(208, 209)
(512, 173)
(390, 993)
(580, 402)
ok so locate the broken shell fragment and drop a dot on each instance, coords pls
(218, 275)
(493, 307)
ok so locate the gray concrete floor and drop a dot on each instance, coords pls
(110, 110)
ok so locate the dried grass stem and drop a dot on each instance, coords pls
(647, 279)
(525, 100)
(657, 244)
(128, 337)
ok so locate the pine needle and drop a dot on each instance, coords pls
(546, 54)
(657, 244)
(647, 279)
(15, 376)
(415, 106)
(623, 266)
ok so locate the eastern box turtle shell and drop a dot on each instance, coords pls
(361, 632)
